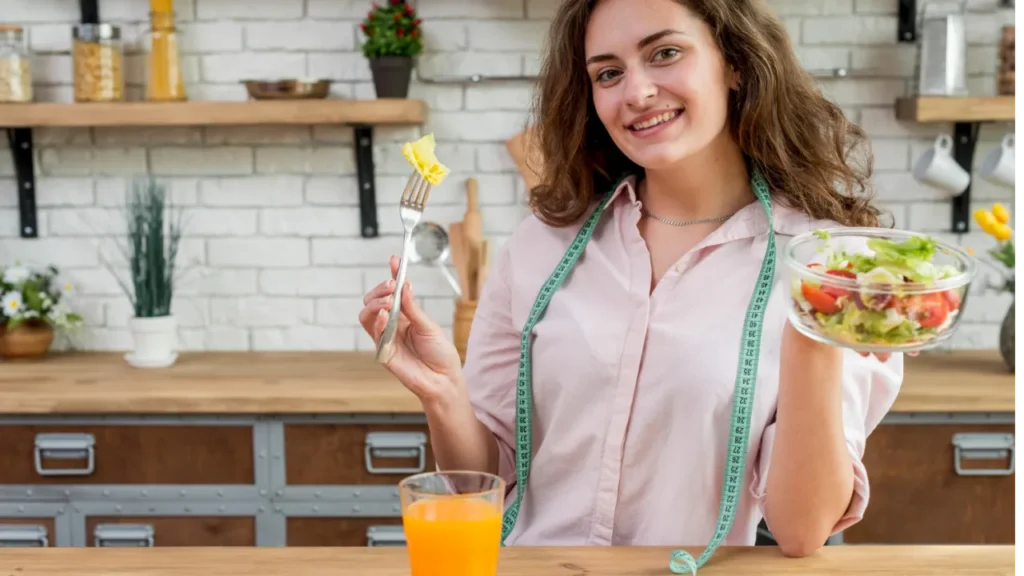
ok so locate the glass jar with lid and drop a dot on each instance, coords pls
(15, 68)
(98, 58)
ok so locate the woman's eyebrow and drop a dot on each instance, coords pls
(643, 42)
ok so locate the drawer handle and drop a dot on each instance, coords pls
(23, 536)
(123, 536)
(396, 445)
(65, 447)
(983, 446)
(385, 536)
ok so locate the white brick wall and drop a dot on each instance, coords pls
(274, 259)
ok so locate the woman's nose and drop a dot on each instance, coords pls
(639, 89)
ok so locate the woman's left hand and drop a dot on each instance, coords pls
(883, 356)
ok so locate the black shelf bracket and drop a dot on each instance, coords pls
(20, 142)
(965, 140)
(364, 176)
(906, 30)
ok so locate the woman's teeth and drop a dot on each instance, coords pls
(655, 121)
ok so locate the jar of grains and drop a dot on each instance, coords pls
(98, 62)
(15, 70)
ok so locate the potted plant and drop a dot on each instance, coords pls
(996, 223)
(34, 305)
(153, 240)
(393, 38)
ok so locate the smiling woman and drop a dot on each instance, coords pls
(631, 372)
(724, 74)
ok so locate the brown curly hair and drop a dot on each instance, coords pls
(814, 159)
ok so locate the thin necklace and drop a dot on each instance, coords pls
(672, 222)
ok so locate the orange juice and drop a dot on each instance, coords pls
(453, 536)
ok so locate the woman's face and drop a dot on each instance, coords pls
(660, 84)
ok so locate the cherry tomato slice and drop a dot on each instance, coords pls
(836, 291)
(930, 310)
(820, 300)
(952, 299)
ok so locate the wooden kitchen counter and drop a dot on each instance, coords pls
(595, 561)
(960, 381)
(214, 382)
(352, 382)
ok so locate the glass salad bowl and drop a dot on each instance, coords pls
(876, 289)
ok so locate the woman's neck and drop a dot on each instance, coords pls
(712, 183)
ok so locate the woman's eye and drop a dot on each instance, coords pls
(665, 53)
(606, 75)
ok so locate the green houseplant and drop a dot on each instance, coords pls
(151, 250)
(393, 38)
(34, 305)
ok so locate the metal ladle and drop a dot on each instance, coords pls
(430, 246)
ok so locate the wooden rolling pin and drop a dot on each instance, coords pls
(473, 228)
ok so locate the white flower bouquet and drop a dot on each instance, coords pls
(34, 298)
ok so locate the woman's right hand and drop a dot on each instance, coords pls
(423, 357)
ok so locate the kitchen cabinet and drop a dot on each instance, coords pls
(939, 484)
(62, 454)
(138, 531)
(307, 449)
(341, 531)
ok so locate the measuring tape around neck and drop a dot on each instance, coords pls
(743, 393)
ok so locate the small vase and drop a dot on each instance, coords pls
(1006, 338)
(27, 341)
(391, 76)
(155, 342)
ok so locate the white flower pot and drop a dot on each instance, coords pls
(155, 342)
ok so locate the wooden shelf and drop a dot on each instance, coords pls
(362, 115)
(956, 109)
(966, 114)
(370, 112)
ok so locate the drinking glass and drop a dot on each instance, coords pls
(452, 522)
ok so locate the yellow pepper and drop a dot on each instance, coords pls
(421, 155)
(999, 211)
(986, 220)
(1002, 232)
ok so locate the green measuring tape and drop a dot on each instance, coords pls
(743, 394)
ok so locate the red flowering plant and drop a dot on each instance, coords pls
(392, 30)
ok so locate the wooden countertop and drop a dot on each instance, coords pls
(352, 382)
(593, 561)
(221, 383)
(960, 381)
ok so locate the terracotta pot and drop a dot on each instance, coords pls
(26, 341)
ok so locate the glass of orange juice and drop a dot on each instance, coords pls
(452, 522)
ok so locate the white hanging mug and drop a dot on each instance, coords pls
(937, 168)
(997, 167)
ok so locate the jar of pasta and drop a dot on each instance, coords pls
(15, 70)
(98, 62)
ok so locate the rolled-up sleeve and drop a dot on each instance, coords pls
(492, 364)
(869, 389)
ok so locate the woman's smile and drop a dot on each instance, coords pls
(654, 123)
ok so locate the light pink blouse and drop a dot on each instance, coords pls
(632, 390)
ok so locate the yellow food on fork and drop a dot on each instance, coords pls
(421, 155)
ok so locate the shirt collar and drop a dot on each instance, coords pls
(748, 222)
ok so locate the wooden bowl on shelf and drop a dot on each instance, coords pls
(287, 89)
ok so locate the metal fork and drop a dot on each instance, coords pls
(410, 208)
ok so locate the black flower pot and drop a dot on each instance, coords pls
(1007, 339)
(391, 75)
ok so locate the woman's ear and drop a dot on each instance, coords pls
(734, 78)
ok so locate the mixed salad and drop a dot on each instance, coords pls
(876, 299)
